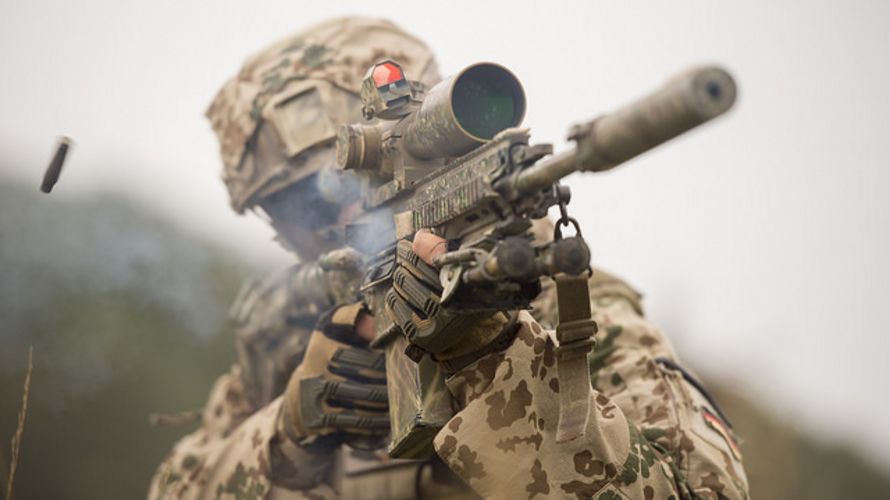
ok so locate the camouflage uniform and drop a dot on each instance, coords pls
(651, 434)
(635, 366)
(297, 85)
(303, 86)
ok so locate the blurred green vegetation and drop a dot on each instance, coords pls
(127, 316)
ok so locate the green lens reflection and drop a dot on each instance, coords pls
(487, 99)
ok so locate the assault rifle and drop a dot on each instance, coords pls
(452, 159)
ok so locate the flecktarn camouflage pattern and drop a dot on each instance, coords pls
(654, 435)
(273, 318)
(304, 86)
(635, 366)
(301, 88)
(272, 325)
(651, 434)
(646, 437)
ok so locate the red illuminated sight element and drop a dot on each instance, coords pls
(451, 159)
(386, 73)
(385, 91)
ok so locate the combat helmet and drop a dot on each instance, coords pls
(276, 120)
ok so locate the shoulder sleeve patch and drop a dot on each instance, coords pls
(715, 423)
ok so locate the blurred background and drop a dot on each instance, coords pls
(760, 241)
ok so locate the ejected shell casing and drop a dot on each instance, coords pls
(51, 176)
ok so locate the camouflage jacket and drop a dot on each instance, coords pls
(652, 433)
(636, 367)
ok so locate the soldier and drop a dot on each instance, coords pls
(654, 433)
(275, 121)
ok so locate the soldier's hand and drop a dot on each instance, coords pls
(339, 390)
(343, 270)
(455, 338)
(334, 279)
(428, 246)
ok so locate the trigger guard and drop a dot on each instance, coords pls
(450, 277)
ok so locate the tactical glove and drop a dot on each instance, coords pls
(339, 390)
(455, 338)
(343, 269)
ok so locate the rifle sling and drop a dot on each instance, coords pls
(574, 332)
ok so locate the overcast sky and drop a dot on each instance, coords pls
(760, 240)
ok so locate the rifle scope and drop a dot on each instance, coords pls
(456, 116)
(465, 111)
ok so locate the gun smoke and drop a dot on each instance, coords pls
(98, 249)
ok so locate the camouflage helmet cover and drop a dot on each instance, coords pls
(305, 86)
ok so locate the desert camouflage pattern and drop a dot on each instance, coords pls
(235, 454)
(651, 436)
(677, 418)
(239, 454)
(304, 86)
(503, 441)
(271, 331)
(273, 318)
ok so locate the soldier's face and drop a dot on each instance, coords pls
(310, 216)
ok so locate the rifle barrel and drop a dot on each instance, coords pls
(685, 102)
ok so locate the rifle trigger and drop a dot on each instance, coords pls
(450, 278)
